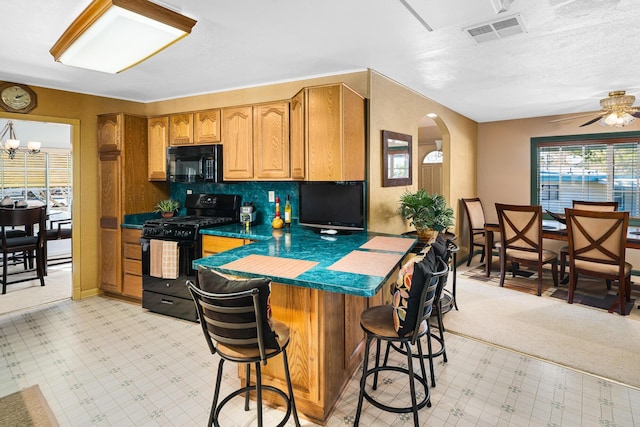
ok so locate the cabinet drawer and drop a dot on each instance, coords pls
(132, 266)
(130, 235)
(132, 251)
(215, 244)
(132, 286)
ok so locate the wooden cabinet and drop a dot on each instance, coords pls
(131, 263)
(256, 142)
(335, 124)
(271, 141)
(297, 136)
(206, 127)
(181, 129)
(158, 135)
(124, 188)
(237, 138)
(215, 244)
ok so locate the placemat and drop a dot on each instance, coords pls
(368, 263)
(271, 266)
(391, 244)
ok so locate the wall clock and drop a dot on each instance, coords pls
(17, 98)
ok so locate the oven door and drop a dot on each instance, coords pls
(169, 296)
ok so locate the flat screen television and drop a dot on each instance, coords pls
(335, 207)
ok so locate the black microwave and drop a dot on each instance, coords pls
(196, 163)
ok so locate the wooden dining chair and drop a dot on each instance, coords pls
(597, 243)
(476, 219)
(588, 206)
(521, 241)
(32, 242)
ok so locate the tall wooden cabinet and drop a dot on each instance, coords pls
(124, 189)
(334, 120)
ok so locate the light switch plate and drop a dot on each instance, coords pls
(189, 191)
(272, 196)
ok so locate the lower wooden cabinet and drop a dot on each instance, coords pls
(131, 263)
(215, 244)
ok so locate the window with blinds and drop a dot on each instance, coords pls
(45, 177)
(587, 167)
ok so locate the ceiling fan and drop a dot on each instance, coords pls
(617, 111)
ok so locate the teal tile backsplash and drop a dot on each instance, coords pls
(256, 192)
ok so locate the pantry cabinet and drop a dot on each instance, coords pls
(124, 189)
(158, 134)
(335, 131)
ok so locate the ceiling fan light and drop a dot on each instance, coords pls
(617, 119)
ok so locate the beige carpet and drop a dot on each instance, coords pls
(25, 408)
(29, 294)
(580, 337)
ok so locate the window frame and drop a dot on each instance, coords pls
(607, 138)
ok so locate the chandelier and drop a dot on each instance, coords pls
(618, 109)
(12, 143)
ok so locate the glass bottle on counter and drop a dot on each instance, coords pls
(287, 213)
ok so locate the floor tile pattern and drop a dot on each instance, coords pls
(110, 363)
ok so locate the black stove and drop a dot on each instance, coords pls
(203, 211)
(167, 294)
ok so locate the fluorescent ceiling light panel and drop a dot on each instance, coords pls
(114, 35)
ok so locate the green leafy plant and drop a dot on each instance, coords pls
(424, 210)
(168, 205)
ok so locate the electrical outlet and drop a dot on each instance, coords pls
(272, 196)
(189, 191)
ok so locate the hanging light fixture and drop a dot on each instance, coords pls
(114, 35)
(12, 143)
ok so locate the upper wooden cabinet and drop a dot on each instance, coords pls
(271, 141)
(237, 138)
(297, 136)
(109, 132)
(181, 129)
(158, 143)
(335, 123)
(206, 127)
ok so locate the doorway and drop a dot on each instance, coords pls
(430, 156)
(39, 177)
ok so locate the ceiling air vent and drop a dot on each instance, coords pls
(496, 29)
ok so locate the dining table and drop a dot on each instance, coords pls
(551, 229)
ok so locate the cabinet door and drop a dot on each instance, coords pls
(237, 137)
(110, 208)
(157, 149)
(181, 128)
(206, 127)
(353, 134)
(297, 137)
(324, 133)
(109, 135)
(215, 244)
(271, 140)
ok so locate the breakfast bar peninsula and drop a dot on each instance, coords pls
(320, 285)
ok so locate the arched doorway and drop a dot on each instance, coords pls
(430, 155)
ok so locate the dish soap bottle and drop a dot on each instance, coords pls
(287, 213)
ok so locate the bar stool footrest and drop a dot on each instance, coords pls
(426, 401)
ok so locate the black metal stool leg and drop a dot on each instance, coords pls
(375, 376)
(247, 384)
(363, 380)
(290, 388)
(216, 395)
(259, 393)
(412, 385)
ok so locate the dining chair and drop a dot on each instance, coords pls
(476, 219)
(236, 321)
(597, 243)
(32, 242)
(59, 229)
(589, 206)
(521, 241)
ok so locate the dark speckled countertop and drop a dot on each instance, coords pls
(302, 244)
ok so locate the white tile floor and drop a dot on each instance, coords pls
(109, 363)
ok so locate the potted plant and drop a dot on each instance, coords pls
(167, 207)
(428, 213)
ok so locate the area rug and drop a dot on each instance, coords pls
(27, 407)
(575, 336)
(607, 302)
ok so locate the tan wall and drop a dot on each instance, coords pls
(399, 109)
(504, 164)
(80, 111)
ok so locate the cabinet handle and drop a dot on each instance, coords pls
(166, 301)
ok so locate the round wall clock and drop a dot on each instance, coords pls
(17, 98)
